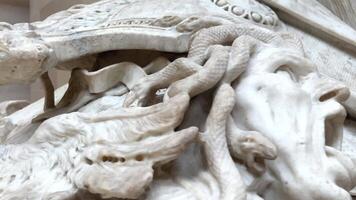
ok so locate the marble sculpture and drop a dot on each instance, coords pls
(176, 100)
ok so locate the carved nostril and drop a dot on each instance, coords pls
(88, 161)
(113, 159)
(328, 96)
(139, 158)
(340, 94)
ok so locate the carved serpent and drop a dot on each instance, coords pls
(203, 78)
(218, 156)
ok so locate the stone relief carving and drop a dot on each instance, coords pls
(222, 99)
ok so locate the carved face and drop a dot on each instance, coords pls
(82, 151)
(282, 97)
(21, 58)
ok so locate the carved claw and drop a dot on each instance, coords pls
(143, 91)
(141, 94)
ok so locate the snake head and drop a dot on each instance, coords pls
(21, 58)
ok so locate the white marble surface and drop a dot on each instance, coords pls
(236, 104)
